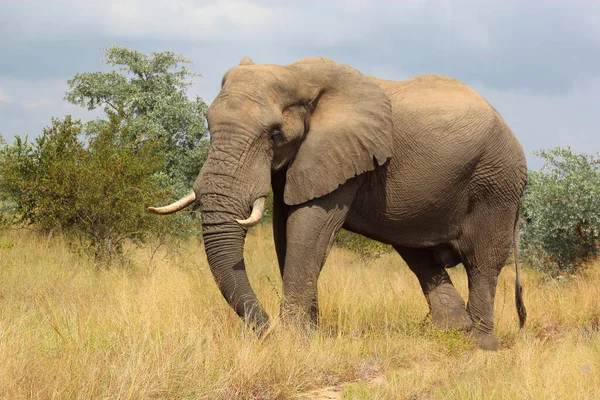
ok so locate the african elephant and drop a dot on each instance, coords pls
(426, 165)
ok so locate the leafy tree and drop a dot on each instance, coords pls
(94, 181)
(148, 94)
(560, 212)
(95, 192)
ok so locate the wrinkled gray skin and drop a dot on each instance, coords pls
(426, 165)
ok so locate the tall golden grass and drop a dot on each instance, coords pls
(159, 328)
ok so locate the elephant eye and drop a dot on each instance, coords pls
(276, 136)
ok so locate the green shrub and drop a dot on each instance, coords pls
(365, 247)
(95, 192)
(560, 218)
(94, 181)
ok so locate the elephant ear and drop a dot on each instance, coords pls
(349, 129)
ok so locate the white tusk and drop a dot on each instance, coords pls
(174, 207)
(257, 212)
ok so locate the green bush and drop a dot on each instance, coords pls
(93, 182)
(560, 218)
(95, 192)
(365, 247)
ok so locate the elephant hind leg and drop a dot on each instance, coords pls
(484, 248)
(446, 306)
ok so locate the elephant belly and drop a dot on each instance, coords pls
(409, 212)
(410, 232)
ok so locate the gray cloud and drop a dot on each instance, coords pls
(538, 62)
(545, 46)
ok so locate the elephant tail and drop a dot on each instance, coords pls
(518, 288)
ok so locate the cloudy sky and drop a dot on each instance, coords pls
(537, 62)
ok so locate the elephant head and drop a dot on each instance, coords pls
(320, 122)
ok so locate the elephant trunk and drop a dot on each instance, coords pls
(224, 245)
(230, 190)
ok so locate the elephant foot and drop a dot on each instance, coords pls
(300, 317)
(487, 341)
(449, 319)
(447, 308)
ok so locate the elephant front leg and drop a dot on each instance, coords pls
(311, 230)
(446, 306)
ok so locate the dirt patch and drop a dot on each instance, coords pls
(335, 392)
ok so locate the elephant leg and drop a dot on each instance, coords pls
(311, 230)
(446, 306)
(484, 254)
(480, 307)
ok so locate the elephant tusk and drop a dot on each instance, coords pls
(174, 207)
(257, 212)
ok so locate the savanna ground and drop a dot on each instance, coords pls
(158, 328)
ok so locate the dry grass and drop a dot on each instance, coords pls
(68, 330)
